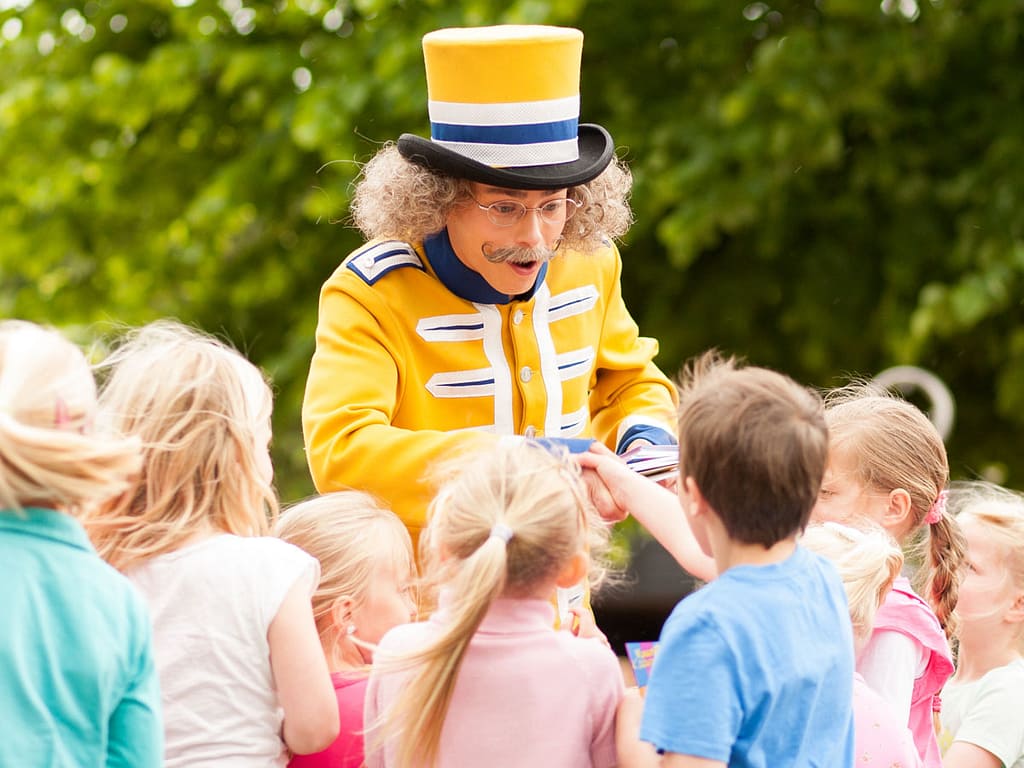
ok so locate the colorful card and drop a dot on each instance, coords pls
(641, 656)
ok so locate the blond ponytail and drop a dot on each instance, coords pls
(50, 455)
(506, 523)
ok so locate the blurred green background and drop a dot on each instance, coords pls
(826, 188)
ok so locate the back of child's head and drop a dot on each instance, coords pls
(536, 497)
(506, 522)
(999, 512)
(868, 560)
(199, 408)
(50, 455)
(351, 535)
(891, 444)
(755, 443)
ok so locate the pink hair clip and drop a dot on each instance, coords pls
(938, 509)
(61, 417)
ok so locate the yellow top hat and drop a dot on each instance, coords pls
(504, 108)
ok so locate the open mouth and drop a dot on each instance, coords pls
(525, 267)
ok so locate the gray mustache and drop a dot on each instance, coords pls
(516, 255)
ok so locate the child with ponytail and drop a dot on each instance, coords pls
(487, 680)
(241, 667)
(868, 561)
(77, 681)
(887, 465)
(366, 588)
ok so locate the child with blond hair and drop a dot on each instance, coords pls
(868, 561)
(887, 466)
(366, 588)
(241, 668)
(488, 680)
(77, 680)
(983, 702)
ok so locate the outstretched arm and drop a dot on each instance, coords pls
(654, 507)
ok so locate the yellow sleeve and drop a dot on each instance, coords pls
(630, 389)
(351, 396)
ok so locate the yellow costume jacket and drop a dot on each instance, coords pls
(417, 357)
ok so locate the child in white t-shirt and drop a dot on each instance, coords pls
(242, 672)
(982, 704)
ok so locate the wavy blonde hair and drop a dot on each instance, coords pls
(868, 560)
(351, 534)
(541, 499)
(397, 199)
(197, 406)
(894, 445)
(50, 455)
(1001, 512)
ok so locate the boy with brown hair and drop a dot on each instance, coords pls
(756, 668)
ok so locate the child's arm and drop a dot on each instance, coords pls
(963, 755)
(303, 680)
(890, 664)
(656, 509)
(634, 753)
(136, 729)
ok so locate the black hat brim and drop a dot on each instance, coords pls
(595, 152)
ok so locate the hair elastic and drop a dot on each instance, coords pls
(501, 531)
(61, 417)
(938, 509)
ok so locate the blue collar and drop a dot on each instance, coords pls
(464, 282)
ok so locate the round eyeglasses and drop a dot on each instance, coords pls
(506, 213)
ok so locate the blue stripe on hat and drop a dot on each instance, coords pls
(536, 133)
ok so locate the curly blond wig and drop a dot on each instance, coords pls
(399, 200)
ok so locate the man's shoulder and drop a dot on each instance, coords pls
(378, 258)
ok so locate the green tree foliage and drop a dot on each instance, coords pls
(824, 187)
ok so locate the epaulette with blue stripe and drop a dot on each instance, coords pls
(374, 261)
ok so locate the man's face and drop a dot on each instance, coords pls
(532, 238)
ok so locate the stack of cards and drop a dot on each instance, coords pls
(654, 461)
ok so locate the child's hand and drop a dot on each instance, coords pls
(605, 497)
(583, 625)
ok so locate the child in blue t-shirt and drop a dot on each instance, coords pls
(756, 668)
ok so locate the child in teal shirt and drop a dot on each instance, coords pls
(77, 681)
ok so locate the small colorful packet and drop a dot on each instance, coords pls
(641, 657)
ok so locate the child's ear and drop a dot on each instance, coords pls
(573, 572)
(1016, 612)
(694, 503)
(341, 611)
(897, 512)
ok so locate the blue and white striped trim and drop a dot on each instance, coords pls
(476, 383)
(575, 423)
(574, 302)
(466, 327)
(509, 135)
(506, 113)
(572, 365)
(374, 261)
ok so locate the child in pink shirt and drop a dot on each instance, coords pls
(366, 588)
(868, 561)
(488, 681)
(887, 466)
